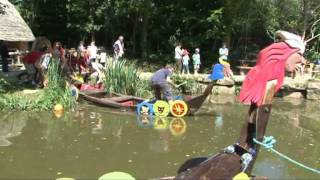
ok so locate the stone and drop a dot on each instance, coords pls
(313, 94)
(313, 85)
(219, 90)
(294, 95)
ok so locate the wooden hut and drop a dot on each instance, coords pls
(12, 27)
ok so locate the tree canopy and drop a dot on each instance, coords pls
(152, 27)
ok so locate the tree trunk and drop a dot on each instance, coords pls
(305, 17)
(145, 24)
(134, 34)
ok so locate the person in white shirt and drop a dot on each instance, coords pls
(224, 51)
(81, 47)
(102, 56)
(92, 49)
(118, 48)
(178, 57)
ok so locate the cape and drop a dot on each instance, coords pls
(270, 65)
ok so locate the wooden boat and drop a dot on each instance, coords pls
(124, 102)
(118, 101)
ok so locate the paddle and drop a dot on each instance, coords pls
(179, 85)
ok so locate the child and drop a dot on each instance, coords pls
(196, 60)
(185, 61)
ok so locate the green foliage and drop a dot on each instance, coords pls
(312, 55)
(57, 92)
(152, 27)
(189, 88)
(123, 77)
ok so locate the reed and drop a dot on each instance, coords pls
(123, 77)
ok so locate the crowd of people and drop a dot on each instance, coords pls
(182, 60)
(82, 64)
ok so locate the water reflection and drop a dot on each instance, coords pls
(178, 126)
(87, 142)
(274, 165)
(218, 121)
(145, 121)
(10, 127)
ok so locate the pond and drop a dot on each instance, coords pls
(93, 141)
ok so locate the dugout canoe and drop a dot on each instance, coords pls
(124, 102)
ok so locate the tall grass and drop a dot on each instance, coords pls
(123, 77)
(57, 92)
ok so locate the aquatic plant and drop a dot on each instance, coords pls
(123, 77)
(57, 92)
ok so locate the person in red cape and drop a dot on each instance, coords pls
(272, 62)
(33, 67)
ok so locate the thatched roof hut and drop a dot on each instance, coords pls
(12, 26)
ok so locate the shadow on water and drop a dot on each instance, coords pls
(92, 141)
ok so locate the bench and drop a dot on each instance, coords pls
(244, 69)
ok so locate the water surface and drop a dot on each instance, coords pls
(92, 141)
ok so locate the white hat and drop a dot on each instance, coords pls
(292, 40)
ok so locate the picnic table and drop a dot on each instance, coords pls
(244, 69)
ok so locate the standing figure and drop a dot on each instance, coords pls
(224, 51)
(4, 56)
(196, 60)
(58, 51)
(160, 81)
(92, 49)
(223, 59)
(185, 61)
(118, 48)
(81, 47)
(178, 57)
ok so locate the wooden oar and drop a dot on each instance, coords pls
(179, 85)
(226, 165)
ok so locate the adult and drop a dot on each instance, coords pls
(160, 81)
(58, 51)
(178, 57)
(224, 51)
(92, 50)
(81, 47)
(32, 63)
(118, 47)
(4, 56)
(223, 59)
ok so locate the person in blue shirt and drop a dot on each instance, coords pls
(160, 81)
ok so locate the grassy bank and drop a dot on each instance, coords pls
(57, 92)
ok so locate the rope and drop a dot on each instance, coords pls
(268, 144)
